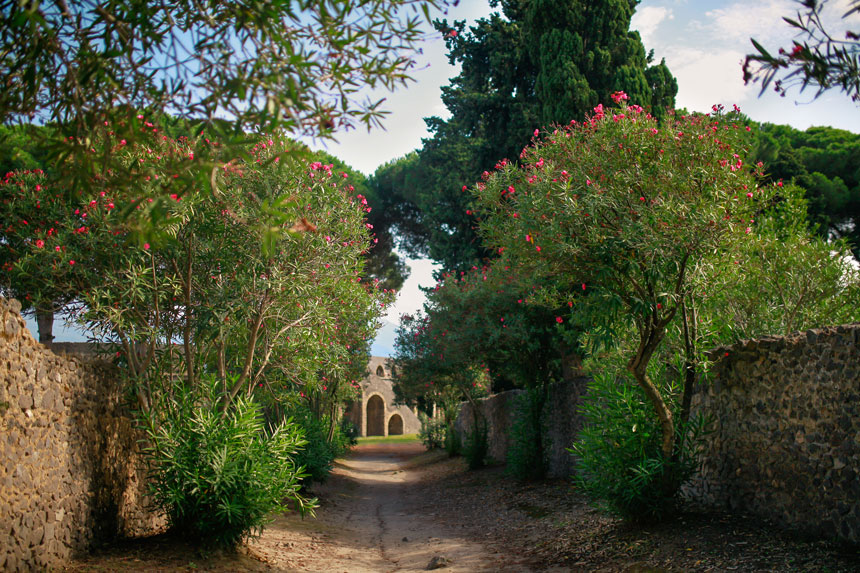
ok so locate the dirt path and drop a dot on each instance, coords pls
(394, 508)
(373, 518)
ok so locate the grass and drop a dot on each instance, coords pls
(389, 439)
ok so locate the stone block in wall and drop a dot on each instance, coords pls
(561, 413)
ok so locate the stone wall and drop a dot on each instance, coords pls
(785, 441)
(561, 413)
(498, 412)
(786, 421)
(70, 473)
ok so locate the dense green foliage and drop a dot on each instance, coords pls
(537, 63)
(246, 298)
(659, 236)
(298, 67)
(218, 477)
(433, 433)
(824, 161)
(527, 451)
(318, 454)
(618, 457)
(293, 65)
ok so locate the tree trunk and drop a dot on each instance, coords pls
(638, 365)
(45, 322)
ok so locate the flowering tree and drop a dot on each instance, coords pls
(41, 246)
(223, 278)
(629, 210)
(432, 366)
(224, 68)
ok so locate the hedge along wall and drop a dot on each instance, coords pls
(786, 441)
(70, 470)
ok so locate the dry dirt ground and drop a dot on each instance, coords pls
(394, 507)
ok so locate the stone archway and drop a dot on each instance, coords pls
(375, 416)
(395, 425)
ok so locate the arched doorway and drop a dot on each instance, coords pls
(375, 416)
(395, 425)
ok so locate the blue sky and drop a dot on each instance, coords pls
(703, 42)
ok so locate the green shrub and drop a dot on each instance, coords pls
(453, 443)
(527, 450)
(619, 460)
(319, 454)
(433, 433)
(219, 477)
(476, 445)
(349, 431)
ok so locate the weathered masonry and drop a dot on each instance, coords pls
(375, 413)
(70, 468)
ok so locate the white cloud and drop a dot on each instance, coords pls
(741, 21)
(763, 20)
(707, 77)
(648, 19)
(410, 299)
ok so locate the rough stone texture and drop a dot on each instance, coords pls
(786, 440)
(70, 473)
(564, 421)
(378, 383)
(561, 413)
(498, 411)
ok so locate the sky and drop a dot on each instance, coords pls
(704, 43)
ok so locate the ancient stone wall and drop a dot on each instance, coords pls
(498, 412)
(70, 472)
(786, 439)
(561, 416)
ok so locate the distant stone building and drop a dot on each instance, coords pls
(375, 414)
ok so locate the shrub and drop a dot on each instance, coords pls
(318, 455)
(453, 443)
(218, 476)
(349, 431)
(434, 432)
(476, 445)
(527, 450)
(619, 459)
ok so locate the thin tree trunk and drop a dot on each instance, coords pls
(690, 363)
(638, 367)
